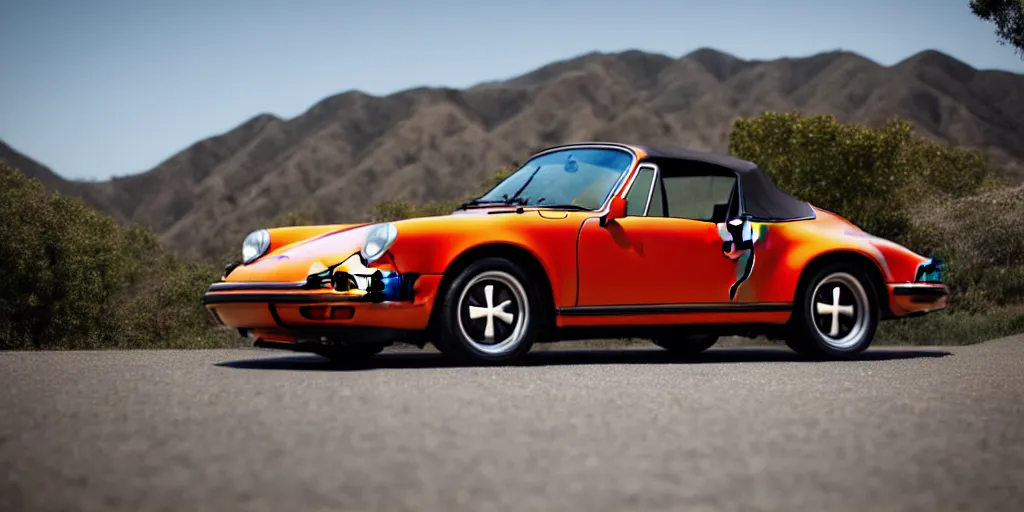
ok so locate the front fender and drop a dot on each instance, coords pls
(431, 245)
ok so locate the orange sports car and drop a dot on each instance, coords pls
(585, 241)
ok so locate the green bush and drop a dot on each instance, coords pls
(874, 176)
(952, 328)
(398, 209)
(75, 278)
(982, 239)
(301, 217)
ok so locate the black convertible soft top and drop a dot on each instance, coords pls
(760, 198)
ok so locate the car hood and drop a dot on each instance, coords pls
(295, 262)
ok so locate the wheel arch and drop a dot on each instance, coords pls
(518, 255)
(859, 260)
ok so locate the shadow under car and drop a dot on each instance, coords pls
(570, 357)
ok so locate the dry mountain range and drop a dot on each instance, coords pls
(353, 150)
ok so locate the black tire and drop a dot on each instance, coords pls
(838, 326)
(350, 353)
(687, 345)
(796, 344)
(513, 327)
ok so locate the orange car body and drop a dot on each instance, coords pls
(603, 272)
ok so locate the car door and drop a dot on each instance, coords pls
(666, 250)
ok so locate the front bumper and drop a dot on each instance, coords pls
(296, 309)
(914, 299)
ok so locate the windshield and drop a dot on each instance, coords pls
(580, 178)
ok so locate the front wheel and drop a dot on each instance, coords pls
(687, 345)
(836, 314)
(491, 313)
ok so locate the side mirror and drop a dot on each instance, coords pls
(616, 210)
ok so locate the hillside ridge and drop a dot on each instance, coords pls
(351, 150)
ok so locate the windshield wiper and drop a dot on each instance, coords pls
(505, 200)
(522, 201)
(478, 202)
(514, 200)
(562, 206)
(527, 184)
(559, 206)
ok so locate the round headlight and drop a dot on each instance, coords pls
(255, 245)
(378, 240)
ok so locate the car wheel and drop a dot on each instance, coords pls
(796, 344)
(836, 313)
(491, 313)
(350, 353)
(687, 345)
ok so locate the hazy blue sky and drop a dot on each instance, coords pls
(113, 87)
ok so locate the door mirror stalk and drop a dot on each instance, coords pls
(616, 210)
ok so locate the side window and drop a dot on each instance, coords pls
(636, 199)
(657, 208)
(698, 197)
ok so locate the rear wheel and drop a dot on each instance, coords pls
(836, 313)
(491, 313)
(687, 345)
(797, 345)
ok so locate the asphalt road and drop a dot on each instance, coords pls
(740, 429)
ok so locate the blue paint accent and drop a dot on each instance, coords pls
(392, 285)
(929, 272)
